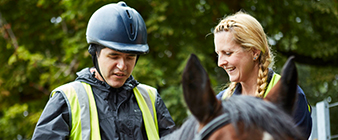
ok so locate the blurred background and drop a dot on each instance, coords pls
(43, 44)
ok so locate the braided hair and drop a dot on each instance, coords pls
(249, 33)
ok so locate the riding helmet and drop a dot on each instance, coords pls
(118, 27)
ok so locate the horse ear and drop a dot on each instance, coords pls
(198, 94)
(284, 93)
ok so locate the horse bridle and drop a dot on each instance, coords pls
(212, 126)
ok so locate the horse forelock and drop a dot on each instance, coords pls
(254, 113)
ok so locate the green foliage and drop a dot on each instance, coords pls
(43, 45)
(16, 122)
(175, 103)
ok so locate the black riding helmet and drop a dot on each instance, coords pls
(118, 27)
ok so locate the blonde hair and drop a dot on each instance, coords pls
(249, 33)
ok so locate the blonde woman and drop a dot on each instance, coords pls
(244, 53)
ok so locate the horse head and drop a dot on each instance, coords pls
(212, 115)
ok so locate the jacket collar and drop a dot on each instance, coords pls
(86, 76)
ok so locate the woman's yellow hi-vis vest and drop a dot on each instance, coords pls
(83, 114)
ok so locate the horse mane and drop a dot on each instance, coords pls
(254, 113)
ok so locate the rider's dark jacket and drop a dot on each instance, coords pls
(302, 113)
(119, 114)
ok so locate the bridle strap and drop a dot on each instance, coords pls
(212, 126)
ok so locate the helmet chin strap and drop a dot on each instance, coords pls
(92, 51)
(96, 65)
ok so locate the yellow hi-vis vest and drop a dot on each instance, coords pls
(83, 112)
(275, 78)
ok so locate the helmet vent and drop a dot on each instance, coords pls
(131, 29)
(128, 14)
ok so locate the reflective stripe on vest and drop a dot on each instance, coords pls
(145, 96)
(84, 117)
(83, 114)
